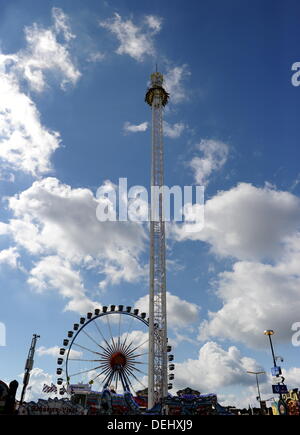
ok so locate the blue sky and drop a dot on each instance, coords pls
(73, 79)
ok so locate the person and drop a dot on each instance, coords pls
(3, 395)
(10, 403)
(112, 389)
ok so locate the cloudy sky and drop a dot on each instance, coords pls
(73, 118)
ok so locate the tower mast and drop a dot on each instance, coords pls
(29, 365)
(157, 98)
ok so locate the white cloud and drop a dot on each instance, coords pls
(134, 128)
(292, 377)
(61, 24)
(140, 339)
(292, 380)
(96, 56)
(295, 182)
(154, 22)
(4, 229)
(6, 176)
(52, 272)
(67, 222)
(44, 53)
(249, 223)
(59, 224)
(25, 143)
(180, 312)
(122, 265)
(215, 368)
(136, 41)
(256, 297)
(174, 83)
(37, 379)
(50, 351)
(214, 156)
(173, 131)
(259, 227)
(10, 257)
(54, 352)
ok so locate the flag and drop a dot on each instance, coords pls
(63, 390)
(53, 388)
(45, 388)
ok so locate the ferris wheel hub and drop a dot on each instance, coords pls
(117, 360)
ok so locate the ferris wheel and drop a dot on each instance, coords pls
(107, 349)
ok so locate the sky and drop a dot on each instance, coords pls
(73, 118)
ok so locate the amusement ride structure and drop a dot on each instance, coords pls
(157, 98)
(29, 366)
(107, 348)
(117, 347)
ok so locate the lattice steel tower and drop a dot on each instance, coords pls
(157, 98)
(28, 366)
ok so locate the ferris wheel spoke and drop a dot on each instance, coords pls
(84, 371)
(125, 379)
(94, 341)
(103, 372)
(137, 347)
(137, 379)
(139, 354)
(134, 356)
(109, 378)
(132, 387)
(111, 335)
(85, 348)
(119, 330)
(122, 380)
(99, 330)
(128, 347)
(117, 381)
(91, 360)
(123, 346)
(129, 329)
(128, 382)
(138, 370)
